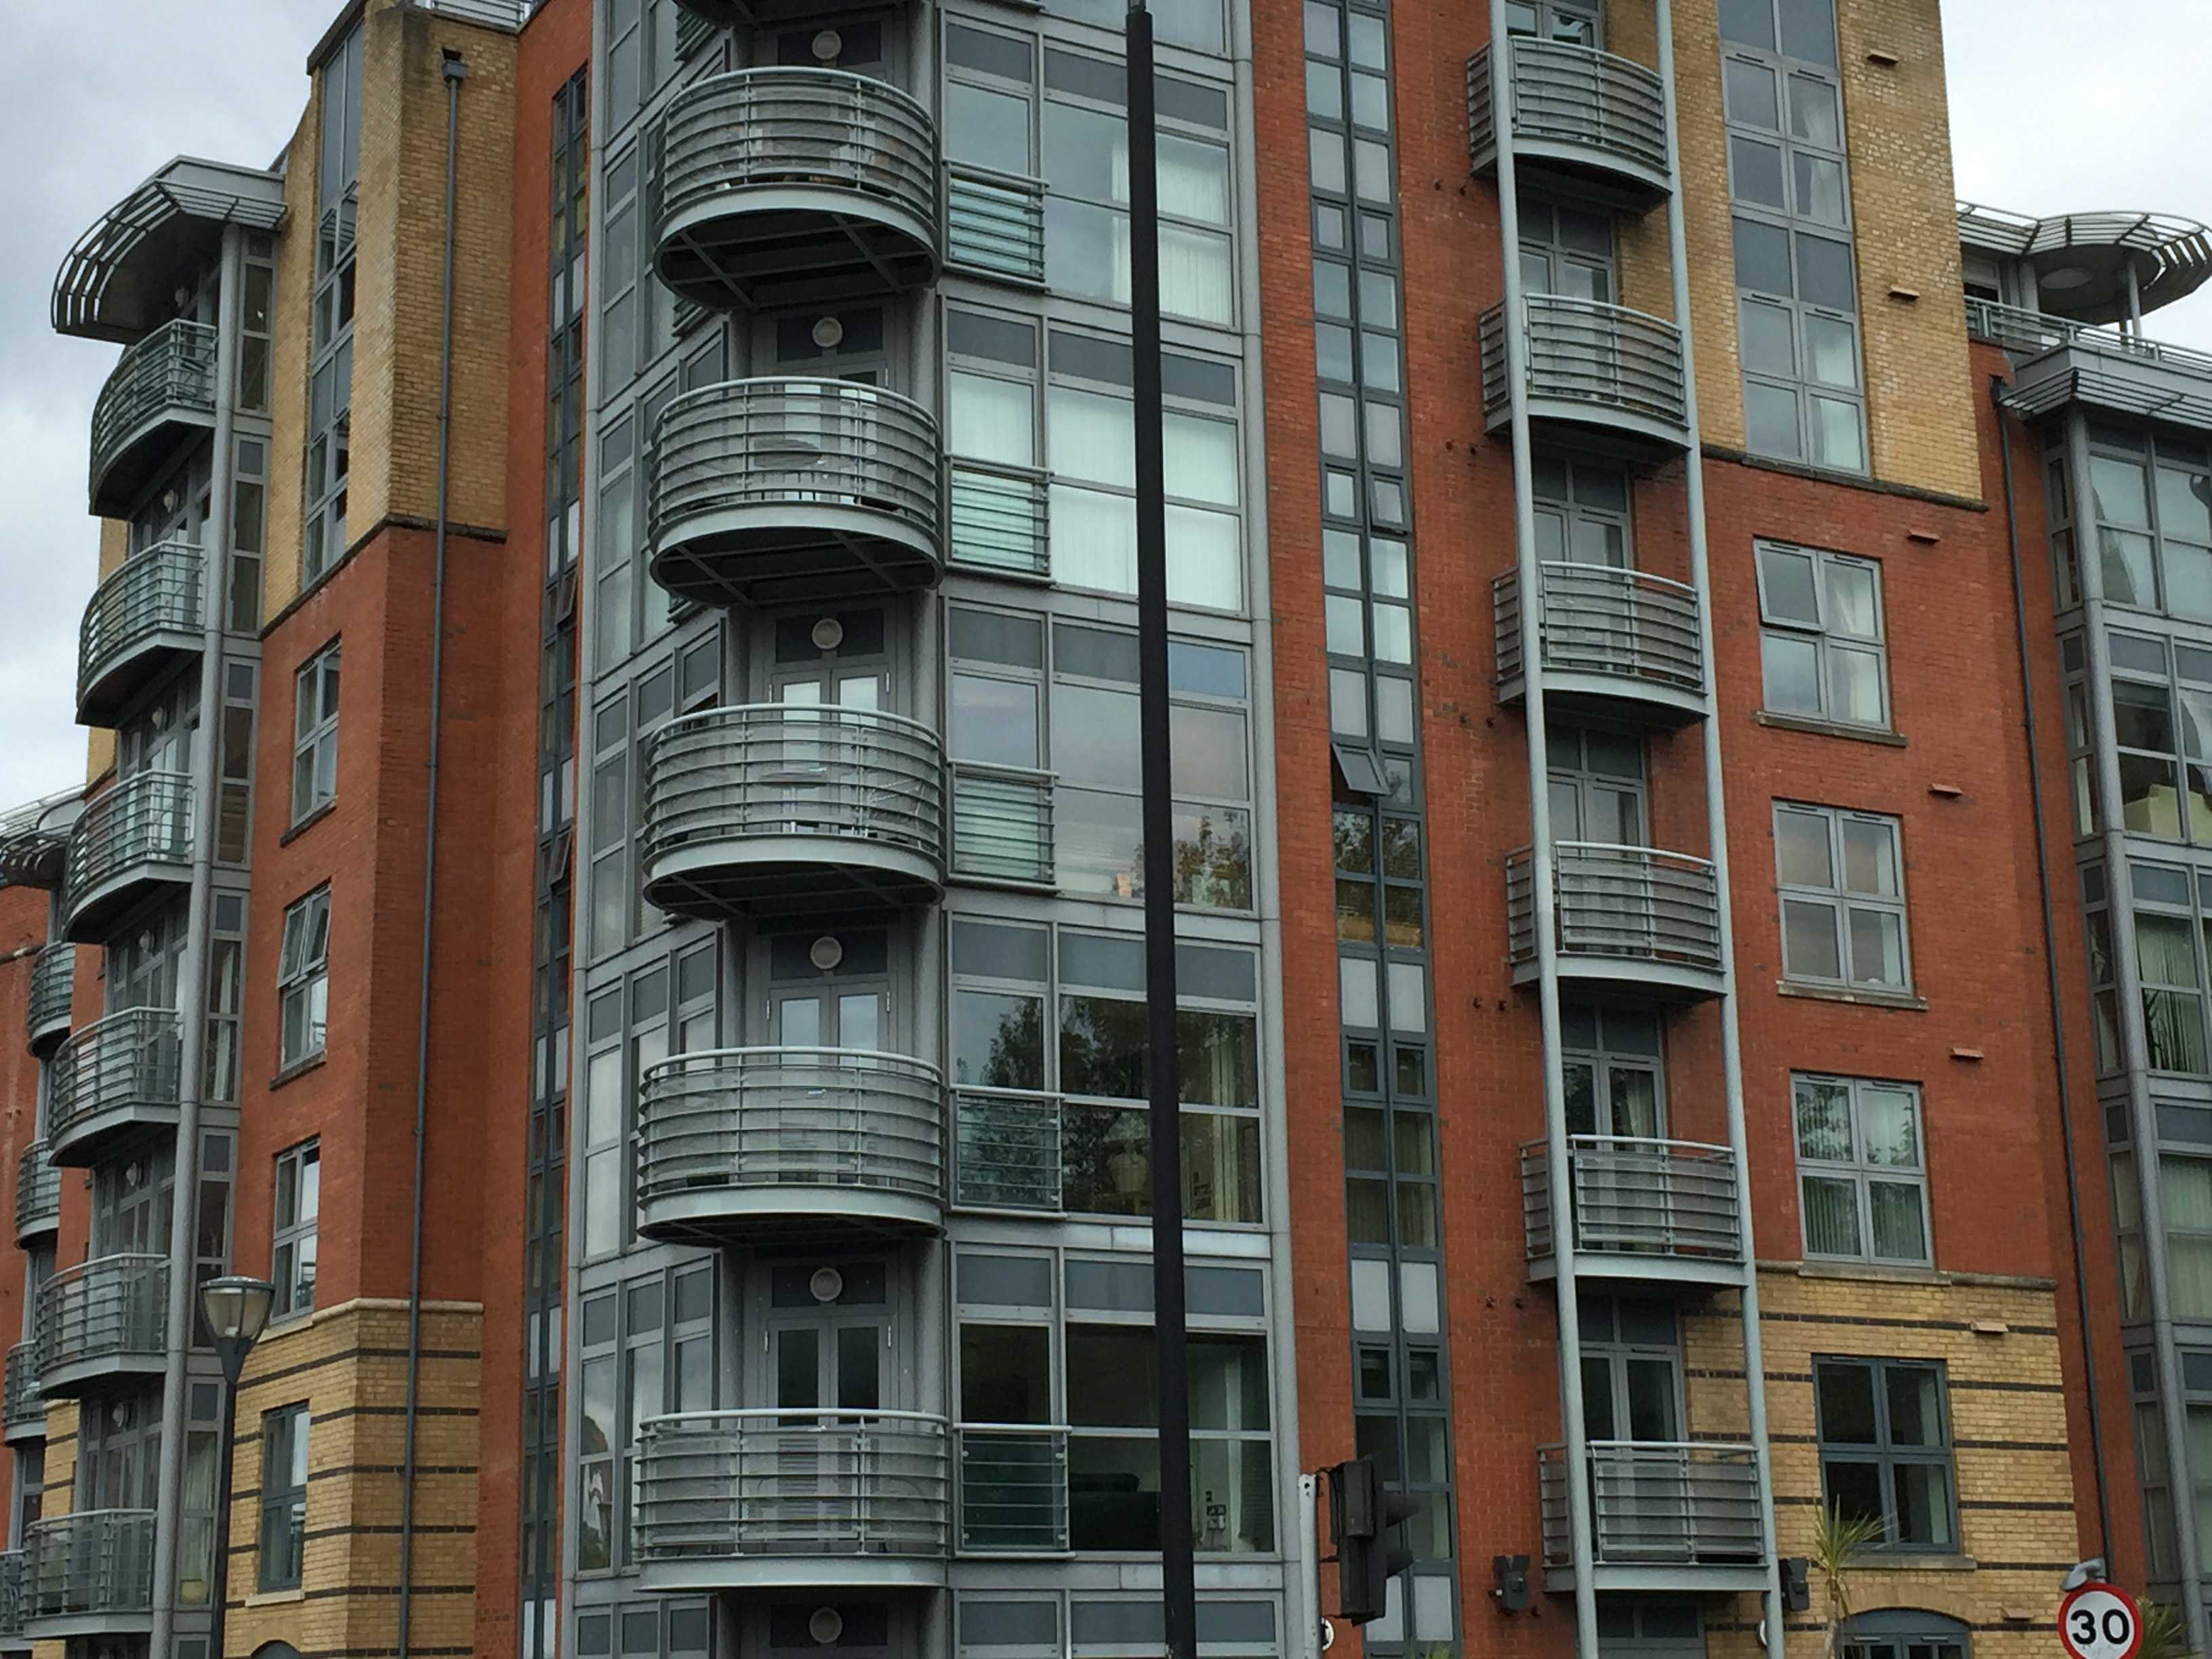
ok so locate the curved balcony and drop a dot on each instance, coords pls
(766, 809)
(1631, 920)
(142, 620)
(34, 840)
(90, 1573)
(1656, 1211)
(129, 840)
(15, 1583)
(53, 997)
(806, 185)
(1599, 119)
(114, 1077)
(1664, 1517)
(37, 1194)
(22, 1409)
(102, 1320)
(774, 491)
(794, 1499)
(160, 394)
(742, 1143)
(1617, 642)
(1600, 376)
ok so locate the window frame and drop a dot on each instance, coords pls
(316, 689)
(1861, 1171)
(1841, 901)
(1886, 1456)
(299, 1195)
(2189, 776)
(1828, 638)
(303, 964)
(2173, 894)
(284, 1429)
(2143, 449)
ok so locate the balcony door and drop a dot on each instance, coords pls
(828, 1340)
(131, 1201)
(1613, 1077)
(1640, 1485)
(1565, 22)
(1573, 350)
(119, 1463)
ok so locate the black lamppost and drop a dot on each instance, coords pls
(236, 1311)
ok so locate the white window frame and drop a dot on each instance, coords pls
(292, 1244)
(1861, 1172)
(1829, 640)
(303, 970)
(1840, 901)
(315, 691)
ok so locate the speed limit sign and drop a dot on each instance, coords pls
(2099, 1622)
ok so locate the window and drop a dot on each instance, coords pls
(1821, 639)
(1886, 1448)
(298, 1199)
(648, 1348)
(1196, 24)
(2081, 756)
(284, 1495)
(1861, 1169)
(2152, 495)
(1797, 305)
(1842, 897)
(2170, 954)
(303, 970)
(640, 54)
(315, 734)
(2184, 1196)
(1903, 1633)
(330, 386)
(2163, 726)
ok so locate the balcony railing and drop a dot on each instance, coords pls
(115, 1072)
(734, 1136)
(1002, 824)
(14, 1585)
(38, 1193)
(1653, 1503)
(1007, 1150)
(167, 376)
(1592, 365)
(1013, 1488)
(52, 996)
(107, 1315)
(23, 1413)
(138, 620)
(798, 183)
(1635, 908)
(92, 1564)
(998, 520)
(765, 806)
(1574, 106)
(777, 490)
(813, 1492)
(1653, 1200)
(994, 223)
(140, 829)
(1606, 632)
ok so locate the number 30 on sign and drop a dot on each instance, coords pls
(2099, 1622)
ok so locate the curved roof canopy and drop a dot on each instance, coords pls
(118, 281)
(2082, 260)
(34, 839)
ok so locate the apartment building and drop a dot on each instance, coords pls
(610, 869)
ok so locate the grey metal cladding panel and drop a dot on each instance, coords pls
(2160, 389)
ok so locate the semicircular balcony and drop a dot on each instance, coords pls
(89, 1573)
(1630, 921)
(53, 995)
(1598, 376)
(129, 840)
(38, 1193)
(113, 1078)
(766, 809)
(789, 490)
(793, 1500)
(142, 620)
(769, 185)
(1597, 119)
(160, 396)
(1622, 644)
(23, 1408)
(100, 1321)
(748, 1144)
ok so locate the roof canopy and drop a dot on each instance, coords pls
(117, 281)
(34, 839)
(2082, 260)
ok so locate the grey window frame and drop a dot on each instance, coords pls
(2191, 905)
(1885, 1454)
(1861, 1172)
(292, 1244)
(302, 964)
(1842, 900)
(2176, 686)
(283, 1504)
(2155, 454)
(1828, 639)
(315, 691)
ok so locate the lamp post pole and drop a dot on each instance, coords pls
(236, 1311)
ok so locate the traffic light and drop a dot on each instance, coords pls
(1796, 1589)
(1362, 1519)
(1512, 1590)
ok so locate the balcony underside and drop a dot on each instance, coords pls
(25, 1432)
(797, 874)
(793, 1572)
(62, 1626)
(127, 674)
(794, 243)
(1645, 702)
(96, 910)
(1728, 1578)
(41, 1225)
(1595, 426)
(1589, 172)
(97, 1135)
(783, 1213)
(1628, 979)
(49, 1030)
(1655, 1268)
(143, 453)
(97, 1374)
(800, 551)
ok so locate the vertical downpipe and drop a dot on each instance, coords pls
(1754, 1364)
(1542, 897)
(191, 1000)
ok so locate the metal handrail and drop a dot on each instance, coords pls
(1657, 1503)
(173, 368)
(1636, 1195)
(20, 1401)
(2018, 329)
(1597, 619)
(847, 1118)
(998, 517)
(54, 993)
(1013, 1487)
(127, 1059)
(1586, 351)
(994, 222)
(15, 1591)
(728, 1484)
(90, 1562)
(38, 1190)
(766, 770)
(155, 591)
(112, 1307)
(1638, 902)
(145, 818)
(1007, 1150)
(795, 443)
(1002, 823)
(1569, 95)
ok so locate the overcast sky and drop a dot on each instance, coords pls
(2051, 110)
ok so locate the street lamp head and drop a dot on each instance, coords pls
(237, 1312)
(2083, 1572)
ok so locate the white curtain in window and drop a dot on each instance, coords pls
(1201, 459)
(993, 420)
(2184, 1186)
(1204, 566)
(1091, 436)
(1094, 540)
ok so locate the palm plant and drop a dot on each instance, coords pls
(1841, 1542)
(2165, 1632)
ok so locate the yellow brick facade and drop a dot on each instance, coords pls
(100, 743)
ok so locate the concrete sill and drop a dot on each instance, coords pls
(1828, 729)
(308, 822)
(276, 1598)
(1887, 1561)
(1835, 993)
(1871, 1273)
(300, 1068)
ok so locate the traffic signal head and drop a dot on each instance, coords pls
(1363, 1518)
(1512, 1590)
(1796, 1587)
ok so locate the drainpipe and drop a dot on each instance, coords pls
(2051, 975)
(455, 70)
(192, 991)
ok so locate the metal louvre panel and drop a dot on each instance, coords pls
(1002, 824)
(994, 223)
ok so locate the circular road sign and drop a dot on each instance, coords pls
(2098, 1621)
